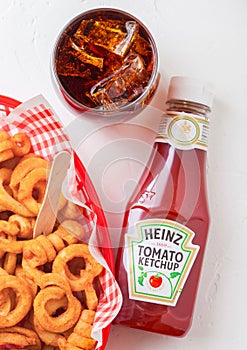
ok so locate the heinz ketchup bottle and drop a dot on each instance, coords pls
(166, 223)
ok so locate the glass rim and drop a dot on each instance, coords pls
(126, 106)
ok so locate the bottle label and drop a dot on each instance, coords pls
(184, 131)
(159, 257)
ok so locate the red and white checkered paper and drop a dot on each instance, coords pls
(36, 118)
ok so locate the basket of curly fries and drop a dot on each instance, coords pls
(57, 290)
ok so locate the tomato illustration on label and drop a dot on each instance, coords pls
(155, 281)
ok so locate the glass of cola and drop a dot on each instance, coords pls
(106, 61)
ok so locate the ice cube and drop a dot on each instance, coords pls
(87, 57)
(115, 36)
(142, 46)
(123, 86)
(124, 46)
(67, 65)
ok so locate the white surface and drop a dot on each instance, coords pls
(202, 39)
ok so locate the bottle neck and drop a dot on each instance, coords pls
(184, 126)
(188, 107)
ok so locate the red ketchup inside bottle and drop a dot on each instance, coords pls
(166, 223)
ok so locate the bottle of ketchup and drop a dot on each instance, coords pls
(166, 224)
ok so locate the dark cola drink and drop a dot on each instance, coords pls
(105, 59)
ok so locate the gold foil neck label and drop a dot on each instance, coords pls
(184, 131)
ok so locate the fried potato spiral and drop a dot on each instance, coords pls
(80, 338)
(21, 144)
(43, 249)
(27, 186)
(7, 244)
(23, 181)
(87, 275)
(6, 200)
(10, 146)
(23, 300)
(54, 286)
(6, 151)
(48, 292)
(59, 319)
(25, 226)
(19, 337)
(25, 166)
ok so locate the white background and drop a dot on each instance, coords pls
(203, 39)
